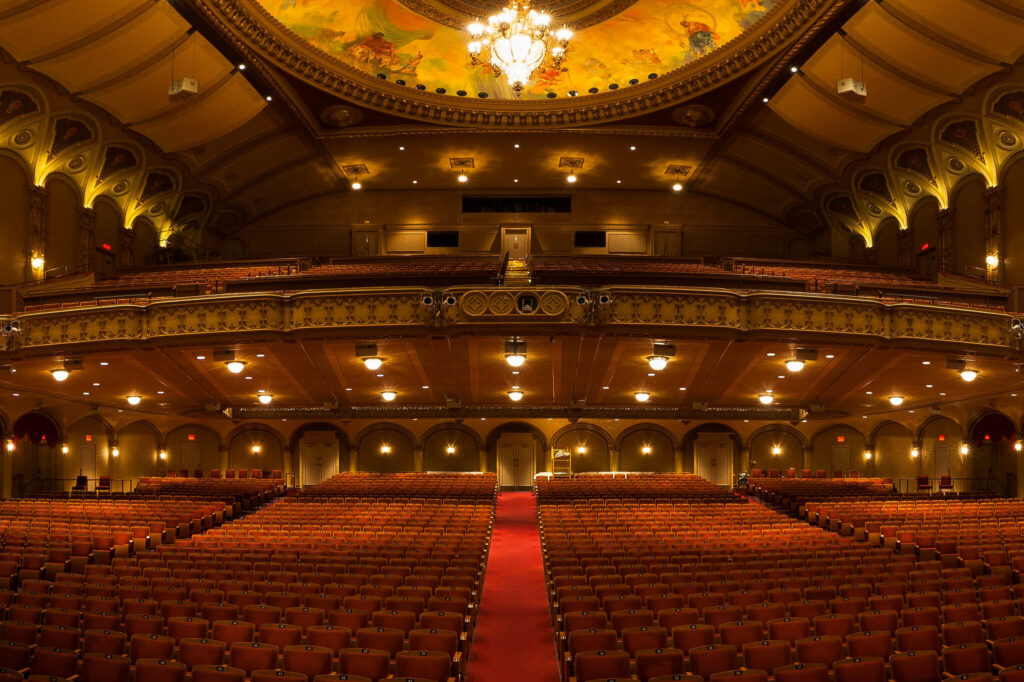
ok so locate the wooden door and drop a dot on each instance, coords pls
(713, 453)
(516, 242)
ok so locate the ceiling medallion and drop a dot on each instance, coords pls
(516, 42)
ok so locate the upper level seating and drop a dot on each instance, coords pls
(450, 486)
(617, 486)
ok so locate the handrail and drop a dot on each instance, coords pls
(503, 269)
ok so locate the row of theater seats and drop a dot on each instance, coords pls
(664, 591)
(449, 486)
(633, 485)
(804, 473)
(295, 590)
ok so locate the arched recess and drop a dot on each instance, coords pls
(589, 445)
(518, 432)
(63, 222)
(5, 428)
(647, 447)
(891, 445)
(88, 441)
(1013, 221)
(38, 438)
(858, 247)
(318, 451)
(385, 448)
(991, 457)
(969, 227)
(839, 447)
(939, 439)
(699, 437)
(194, 447)
(465, 444)
(14, 232)
(139, 444)
(887, 243)
(255, 446)
(107, 230)
(145, 242)
(924, 237)
(763, 442)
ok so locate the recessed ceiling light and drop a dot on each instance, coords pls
(682, 388)
(198, 357)
(260, 355)
(85, 392)
(401, 149)
(926, 362)
(765, 100)
(1013, 395)
(794, 69)
(415, 182)
(380, 376)
(928, 386)
(104, 363)
(516, 146)
(604, 388)
(348, 388)
(16, 395)
(770, 355)
(782, 376)
(241, 67)
(96, 383)
(650, 374)
(159, 392)
(942, 394)
(424, 387)
(248, 378)
(618, 182)
(868, 393)
(388, 396)
(829, 356)
(632, 148)
(270, 98)
(515, 179)
(515, 371)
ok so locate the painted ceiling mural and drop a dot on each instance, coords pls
(648, 37)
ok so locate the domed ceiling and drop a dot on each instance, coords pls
(423, 42)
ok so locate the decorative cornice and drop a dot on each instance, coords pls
(250, 27)
(673, 311)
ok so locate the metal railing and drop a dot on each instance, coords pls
(965, 484)
(500, 280)
(65, 485)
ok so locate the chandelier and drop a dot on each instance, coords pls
(516, 42)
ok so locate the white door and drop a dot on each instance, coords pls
(941, 459)
(840, 460)
(365, 242)
(713, 457)
(516, 242)
(319, 455)
(516, 462)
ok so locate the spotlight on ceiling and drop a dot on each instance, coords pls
(660, 354)
(367, 352)
(896, 400)
(388, 396)
(766, 398)
(134, 400)
(515, 351)
(515, 395)
(642, 396)
(265, 398)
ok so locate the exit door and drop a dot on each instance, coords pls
(713, 457)
(840, 460)
(516, 242)
(516, 462)
(319, 455)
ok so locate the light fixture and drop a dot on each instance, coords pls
(645, 450)
(677, 187)
(516, 42)
(385, 449)
(992, 260)
(766, 398)
(794, 69)
(265, 399)
(776, 450)
(515, 351)
(915, 452)
(388, 396)
(867, 454)
(357, 185)
(115, 451)
(60, 374)
(657, 362)
(9, 444)
(373, 363)
(515, 395)
(256, 449)
(450, 449)
(1017, 445)
(241, 67)
(964, 448)
(462, 177)
(642, 396)
(64, 449)
(38, 262)
(134, 400)
(163, 454)
(581, 449)
(235, 366)
(794, 365)
(270, 98)
(660, 355)
(969, 375)
(570, 178)
(896, 400)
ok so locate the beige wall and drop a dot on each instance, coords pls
(631, 455)
(791, 456)
(596, 457)
(370, 458)
(435, 451)
(14, 195)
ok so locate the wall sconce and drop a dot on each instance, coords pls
(163, 455)
(1018, 445)
(256, 449)
(385, 449)
(867, 454)
(581, 449)
(915, 452)
(115, 452)
(992, 260)
(645, 450)
(64, 449)
(38, 261)
(9, 444)
(776, 450)
(965, 449)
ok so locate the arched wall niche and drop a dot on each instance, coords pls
(63, 223)
(924, 237)
(891, 446)
(38, 437)
(464, 442)
(89, 454)
(139, 445)
(689, 440)
(886, 243)
(939, 439)
(107, 230)
(991, 459)
(314, 434)
(145, 243)
(839, 447)
(385, 448)
(542, 452)
(14, 232)
(255, 446)
(588, 444)
(968, 206)
(762, 444)
(647, 447)
(194, 447)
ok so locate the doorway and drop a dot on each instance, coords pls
(840, 459)
(713, 457)
(517, 458)
(319, 456)
(515, 241)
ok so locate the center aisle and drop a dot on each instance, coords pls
(514, 640)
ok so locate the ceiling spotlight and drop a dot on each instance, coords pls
(60, 374)
(794, 365)
(373, 363)
(794, 69)
(388, 396)
(896, 400)
(241, 67)
(134, 400)
(462, 177)
(269, 98)
(266, 398)
(765, 100)
(969, 375)
(642, 396)
(766, 398)
(515, 395)
(570, 178)
(357, 185)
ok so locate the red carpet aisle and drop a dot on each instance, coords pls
(514, 641)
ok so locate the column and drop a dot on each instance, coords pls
(994, 231)
(353, 459)
(678, 453)
(286, 463)
(223, 459)
(37, 219)
(806, 451)
(417, 458)
(613, 459)
(903, 249)
(482, 456)
(86, 239)
(946, 239)
(744, 459)
(5, 471)
(126, 258)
